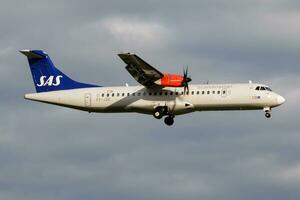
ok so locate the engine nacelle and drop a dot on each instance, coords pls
(171, 80)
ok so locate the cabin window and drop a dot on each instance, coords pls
(155, 93)
(144, 93)
(133, 94)
(257, 88)
(166, 93)
(176, 93)
(150, 93)
(207, 92)
(123, 94)
(107, 95)
(203, 92)
(182, 93)
(128, 94)
(102, 95)
(139, 94)
(198, 92)
(224, 91)
(219, 92)
(171, 93)
(113, 94)
(262, 88)
(192, 92)
(187, 93)
(213, 92)
(160, 93)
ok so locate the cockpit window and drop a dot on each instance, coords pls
(263, 88)
(267, 88)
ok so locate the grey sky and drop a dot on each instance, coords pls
(48, 152)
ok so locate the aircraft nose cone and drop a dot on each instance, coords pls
(280, 100)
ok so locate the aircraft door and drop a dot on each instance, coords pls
(87, 100)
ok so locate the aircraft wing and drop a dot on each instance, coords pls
(141, 71)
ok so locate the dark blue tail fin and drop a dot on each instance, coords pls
(46, 76)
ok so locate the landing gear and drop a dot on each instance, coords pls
(268, 114)
(169, 120)
(159, 112)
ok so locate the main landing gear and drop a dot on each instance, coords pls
(161, 111)
(169, 120)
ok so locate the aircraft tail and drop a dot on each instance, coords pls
(46, 76)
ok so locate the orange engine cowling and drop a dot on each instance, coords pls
(172, 80)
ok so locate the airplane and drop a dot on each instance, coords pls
(158, 95)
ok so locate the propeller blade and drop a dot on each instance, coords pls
(186, 80)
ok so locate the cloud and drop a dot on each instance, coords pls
(49, 152)
(134, 32)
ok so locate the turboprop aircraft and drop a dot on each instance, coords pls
(158, 95)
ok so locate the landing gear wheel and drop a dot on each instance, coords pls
(158, 113)
(169, 120)
(268, 115)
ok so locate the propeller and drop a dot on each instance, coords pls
(186, 80)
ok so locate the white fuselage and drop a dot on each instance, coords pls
(142, 100)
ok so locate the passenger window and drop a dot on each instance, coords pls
(257, 88)
(150, 93)
(187, 93)
(262, 88)
(207, 92)
(139, 94)
(155, 93)
(182, 93)
(102, 95)
(192, 92)
(203, 92)
(118, 94)
(113, 94)
(160, 93)
(144, 94)
(213, 92)
(123, 94)
(219, 92)
(166, 93)
(133, 94)
(107, 95)
(224, 91)
(176, 93)
(171, 93)
(128, 94)
(198, 92)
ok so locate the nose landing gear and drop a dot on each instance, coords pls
(267, 112)
(268, 115)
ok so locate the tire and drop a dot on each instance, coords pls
(268, 115)
(169, 121)
(158, 114)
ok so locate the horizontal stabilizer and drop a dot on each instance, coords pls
(34, 54)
